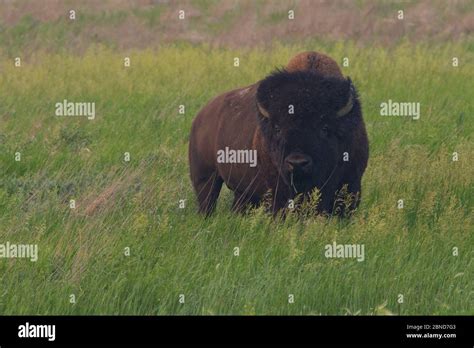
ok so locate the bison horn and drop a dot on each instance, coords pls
(347, 108)
(262, 110)
(350, 102)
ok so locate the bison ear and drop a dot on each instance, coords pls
(350, 101)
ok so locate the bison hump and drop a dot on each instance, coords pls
(314, 61)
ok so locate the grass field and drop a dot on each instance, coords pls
(174, 251)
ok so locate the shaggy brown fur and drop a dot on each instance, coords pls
(314, 61)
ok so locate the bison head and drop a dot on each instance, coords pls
(304, 117)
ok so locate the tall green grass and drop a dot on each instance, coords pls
(174, 251)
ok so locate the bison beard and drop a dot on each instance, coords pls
(307, 129)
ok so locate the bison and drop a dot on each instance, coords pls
(304, 124)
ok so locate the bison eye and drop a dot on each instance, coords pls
(325, 131)
(277, 129)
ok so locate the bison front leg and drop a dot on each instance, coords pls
(280, 200)
(207, 190)
(242, 201)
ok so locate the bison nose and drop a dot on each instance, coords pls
(299, 163)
